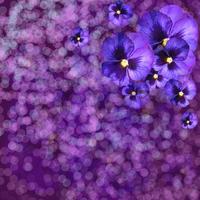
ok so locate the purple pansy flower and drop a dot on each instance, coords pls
(136, 94)
(155, 79)
(79, 37)
(175, 59)
(171, 21)
(180, 93)
(119, 13)
(189, 120)
(126, 58)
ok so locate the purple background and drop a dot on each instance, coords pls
(74, 128)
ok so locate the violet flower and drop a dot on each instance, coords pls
(155, 79)
(120, 13)
(126, 58)
(80, 37)
(136, 94)
(189, 120)
(180, 93)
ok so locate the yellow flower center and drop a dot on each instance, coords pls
(124, 63)
(181, 93)
(118, 12)
(133, 93)
(155, 76)
(188, 122)
(78, 38)
(169, 60)
(164, 42)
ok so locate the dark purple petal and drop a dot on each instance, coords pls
(127, 11)
(160, 58)
(172, 88)
(160, 83)
(177, 49)
(112, 7)
(117, 20)
(125, 42)
(175, 70)
(126, 90)
(117, 48)
(108, 48)
(137, 104)
(77, 30)
(183, 103)
(114, 71)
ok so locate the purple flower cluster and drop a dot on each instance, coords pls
(159, 55)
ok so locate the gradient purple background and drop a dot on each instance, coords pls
(149, 144)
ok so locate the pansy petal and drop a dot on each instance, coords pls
(145, 55)
(191, 90)
(155, 26)
(85, 39)
(161, 84)
(142, 62)
(150, 81)
(177, 48)
(190, 61)
(187, 29)
(112, 70)
(194, 120)
(138, 74)
(139, 41)
(111, 7)
(125, 90)
(174, 12)
(113, 45)
(183, 103)
(133, 103)
(159, 64)
(109, 67)
(116, 21)
(128, 11)
(117, 48)
(77, 30)
(193, 125)
(108, 48)
(125, 42)
(179, 69)
(174, 70)
(171, 86)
